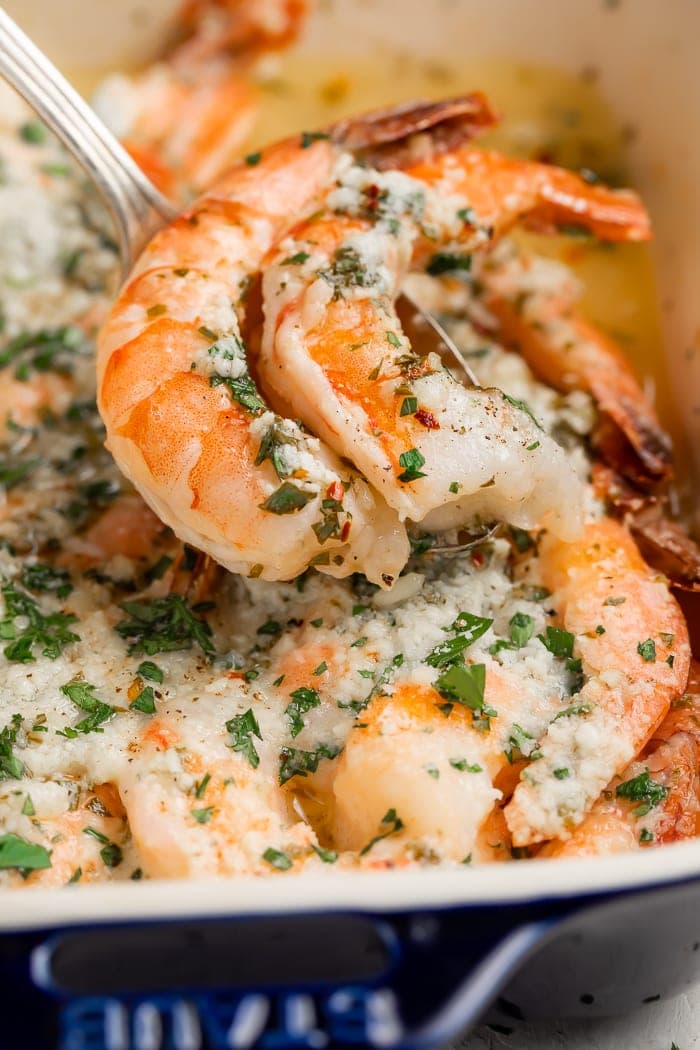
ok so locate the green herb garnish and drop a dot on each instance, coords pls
(242, 729)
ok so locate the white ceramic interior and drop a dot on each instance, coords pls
(645, 52)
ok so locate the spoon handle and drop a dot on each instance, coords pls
(138, 209)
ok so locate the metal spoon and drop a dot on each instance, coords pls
(138, 209)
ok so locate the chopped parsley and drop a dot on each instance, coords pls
(557, 641)
(309, 137)
(522, 627)
(40, 577)
(271, 627)
(329, 526)
(377, 688)
(462, 766)
(644, 790)
(328, 856)
(159, 568)
(346, 271)
(647, 651)
(524, 407)
(252, 159)
(391, 824)
(82, 694)
(409, 405)
(286, 499)
(393, 340)
(297, 763)
(302, 700)
(33, 132)
(145, 701)
(11, 768)
(296, 260)
(201, 786)
(50, 633)
(43, 350)
(517, 739)
(16, 852)
(277, 859)
(152, 672)
(203, 816)
(111, 853)
(411, 461)
(273, 441)
(464, 684)
(443, 262)
(242, 729)
(562, 774)
(13, 471)
(242, 390)
(468, 629)
(160, 625)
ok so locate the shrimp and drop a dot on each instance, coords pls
(532, 301)
(73, 834)
(182, 127)
(187, 424)
(201, 793)
(186, 118)
(333, 346)
(238, 26)
(439, 765)
(631, 639)
(656, 799)
(184, 417)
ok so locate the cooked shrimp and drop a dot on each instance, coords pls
(333, 345)
(202, 797)
(247, 27)
(632, 641)
(185, 119)
(183, 128)
(656, 799)
(437, 764)
(74, 835)
(533, 302)
(184, 418)
(186, 422)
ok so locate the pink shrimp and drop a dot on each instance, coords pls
(621, 621)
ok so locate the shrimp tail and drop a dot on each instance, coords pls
(383, 137)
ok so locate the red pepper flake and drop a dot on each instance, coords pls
(478, 558)
(427, 419)
(345, 531)
(336, 491)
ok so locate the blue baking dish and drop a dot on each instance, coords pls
(404, 960)
(393, 959)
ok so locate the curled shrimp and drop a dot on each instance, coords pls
(184, 417)
(656, 799)
(533, 304)
(185, 119)
(632, 643)
(333, 345)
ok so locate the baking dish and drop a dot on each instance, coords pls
(393, 959)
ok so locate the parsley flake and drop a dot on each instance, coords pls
(242, 729)
(160, 625)
(411, 461)
(391, 824)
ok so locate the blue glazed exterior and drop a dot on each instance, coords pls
(441, 970)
